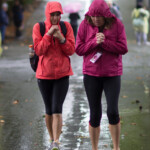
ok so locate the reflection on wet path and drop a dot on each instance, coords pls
(22, 125)
(75, 134)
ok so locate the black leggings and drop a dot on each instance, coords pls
(94, 87)
(54, 93)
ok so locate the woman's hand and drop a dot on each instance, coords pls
(100, 37)
(53, 29)
(57, 34)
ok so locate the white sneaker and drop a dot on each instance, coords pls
(138, 43)
(147, 43)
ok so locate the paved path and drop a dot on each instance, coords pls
(22, 109)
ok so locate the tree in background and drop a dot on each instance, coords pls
(11, 3)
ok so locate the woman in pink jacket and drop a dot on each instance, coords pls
(101, 40)
(54, 67)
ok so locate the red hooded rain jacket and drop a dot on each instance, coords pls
(54, 61)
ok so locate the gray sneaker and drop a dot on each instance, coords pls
(55, 146)
(51, 146)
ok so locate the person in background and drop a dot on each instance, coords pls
(4, 21)
(140, 21)
(74, 17)
(18, 18)
(1, 50)
(139, 2)
(114, 9)
(54, 67)
(101, 40)
(116, 6)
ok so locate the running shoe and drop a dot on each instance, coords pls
(51, 145)
(55, 146)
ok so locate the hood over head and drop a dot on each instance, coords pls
(99, 8)
(50, 8)
(4, 5)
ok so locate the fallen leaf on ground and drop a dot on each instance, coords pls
(133, 123)
(121, 117)
(143, 135)
(22, 44)
(137, 57)
(121, 121)
(5, 48)
(139, 78)
(124, 96)
(15, 102)
(26, 100)
(2, 121)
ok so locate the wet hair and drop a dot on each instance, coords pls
(108, 21)
(56, 12)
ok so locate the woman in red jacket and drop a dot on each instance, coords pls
(54, 67)
(101, 40)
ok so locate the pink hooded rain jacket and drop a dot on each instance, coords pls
(114, 46)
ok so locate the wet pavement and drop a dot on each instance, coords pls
(22, 125)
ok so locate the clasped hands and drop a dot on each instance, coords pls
(55, 31)
(100, 37)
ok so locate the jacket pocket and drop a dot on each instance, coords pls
(64, 65)
(110, 62)
(47, 67)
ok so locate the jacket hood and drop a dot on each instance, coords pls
(99, 8)
(50, 8)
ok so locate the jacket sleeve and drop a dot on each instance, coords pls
(134, 14)
(41, 44)
(69, 46)
(82, 47)
(145, 13)
(120, 45)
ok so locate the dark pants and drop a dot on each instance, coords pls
(54, 93)
(3, 30)
(18, 24)
(18, 32)
(75, 27)
(94, 87)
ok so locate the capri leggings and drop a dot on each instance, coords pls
(53, 93)
(94, 87)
